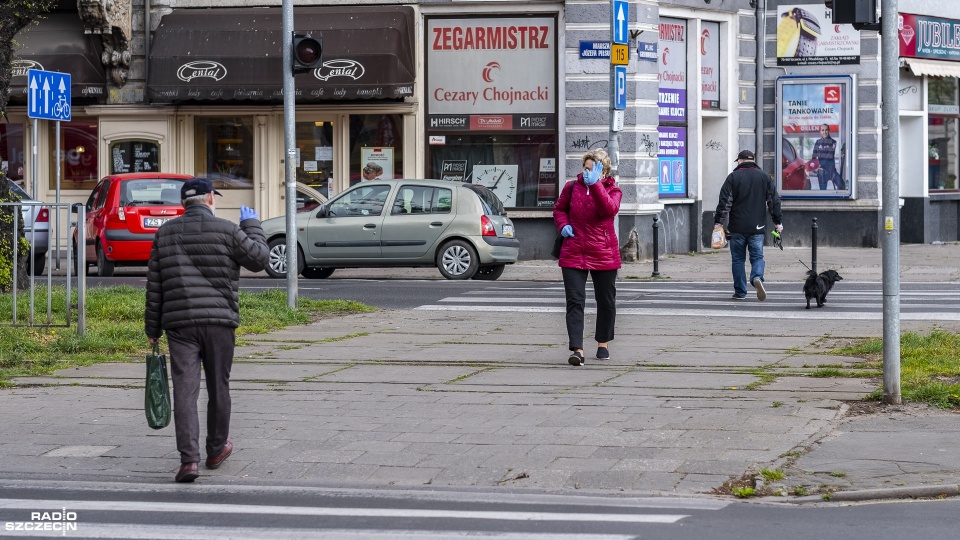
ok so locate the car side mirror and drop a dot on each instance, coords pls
(322, 212)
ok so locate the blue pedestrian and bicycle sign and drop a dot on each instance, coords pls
(48, 95)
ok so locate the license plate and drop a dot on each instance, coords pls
(153, 222)
(508, 230)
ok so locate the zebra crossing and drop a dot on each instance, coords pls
(157, 511)
(860, 301)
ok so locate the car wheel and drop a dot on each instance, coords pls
(457, 260)
(104, 267)
(277, 260)
(39, 262)
(317, 272)
(489, 273)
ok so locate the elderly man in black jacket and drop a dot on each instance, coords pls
(193, 280)
(745, 198)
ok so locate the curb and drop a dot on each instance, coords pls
(905, 492)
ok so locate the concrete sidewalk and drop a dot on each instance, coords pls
(419, 398)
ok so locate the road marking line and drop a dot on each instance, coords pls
(185, 532)
(204, 508)
(736, 312)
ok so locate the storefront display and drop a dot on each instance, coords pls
(492, 103)
(224, 151)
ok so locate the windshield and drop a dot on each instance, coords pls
(18, 190)
(151, 192)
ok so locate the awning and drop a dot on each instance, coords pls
(235, 54)
(934, 68)
(58, 43)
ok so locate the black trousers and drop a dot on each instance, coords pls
(210, 347)
(605, 292)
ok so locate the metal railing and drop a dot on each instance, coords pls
(52, 255)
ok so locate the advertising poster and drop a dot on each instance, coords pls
(672, 161)
(547, 185)
(816, 136)
(807, 37)
(382, 156)
(672, 98)
(710, 65)
(453, 170)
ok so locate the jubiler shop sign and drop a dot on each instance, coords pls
(495, 66)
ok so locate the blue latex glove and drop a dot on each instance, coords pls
(247, 213)
(566, 231)
(591, 176)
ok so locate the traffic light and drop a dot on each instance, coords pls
(860, 12)
(307, 51)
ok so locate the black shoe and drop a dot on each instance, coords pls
(576, 358)
(735, 297)
(603, 353)
(761, 292)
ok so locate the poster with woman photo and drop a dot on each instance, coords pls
(816, 136)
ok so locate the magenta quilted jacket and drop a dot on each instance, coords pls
(590, 211)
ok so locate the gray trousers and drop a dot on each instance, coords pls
(190, 348)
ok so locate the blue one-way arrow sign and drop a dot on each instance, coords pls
(621, 14)
(48, 96)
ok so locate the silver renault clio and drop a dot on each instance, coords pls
(462, 229)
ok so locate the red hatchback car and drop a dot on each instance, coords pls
(123, 214)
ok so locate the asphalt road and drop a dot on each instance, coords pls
(168, 511)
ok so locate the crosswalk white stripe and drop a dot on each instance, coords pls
(150, 506)
(740, 313)
(186, 532)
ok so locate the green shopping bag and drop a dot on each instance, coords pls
(157, 397)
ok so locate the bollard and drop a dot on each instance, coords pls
(813, 244)
(656, 247)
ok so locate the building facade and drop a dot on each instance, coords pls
(510, 95)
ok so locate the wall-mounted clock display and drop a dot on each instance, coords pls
(500, 179)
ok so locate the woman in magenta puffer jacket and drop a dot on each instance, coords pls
(584, 217)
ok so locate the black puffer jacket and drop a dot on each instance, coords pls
(745, 197)
(193, 276)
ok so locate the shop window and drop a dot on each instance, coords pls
(133, 156)
(224, 151)
(942, 153)
(78, 151)
(376, 145)
(315, 163)
(942, 95)
(12, 154)
(519, 169)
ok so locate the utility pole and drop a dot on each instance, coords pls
(619, 58)
(890, 188)
(290, 161)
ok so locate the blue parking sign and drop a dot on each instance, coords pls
(620, 87)
(48, 95)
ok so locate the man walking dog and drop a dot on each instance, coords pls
(193, 280)
(747, 195)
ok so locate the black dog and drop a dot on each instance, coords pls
(817, 286)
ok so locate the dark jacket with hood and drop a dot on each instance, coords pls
(193, 277)
(745, 198)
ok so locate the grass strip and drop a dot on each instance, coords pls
(114, 326)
